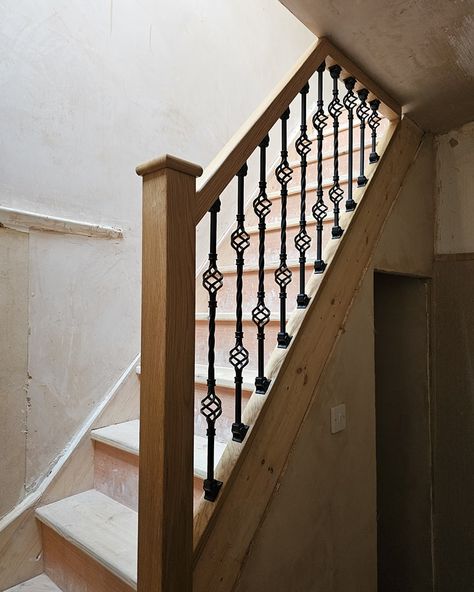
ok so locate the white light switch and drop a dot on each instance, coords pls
(338, 418)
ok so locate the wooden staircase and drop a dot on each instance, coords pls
(90, 539)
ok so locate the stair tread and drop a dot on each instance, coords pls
(231, 269)
(38, 584)
(225, 377)
(101, 527)
(230, 316)
(125, 436)
(295, 189)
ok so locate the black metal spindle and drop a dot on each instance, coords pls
(362, 113)
(239, 355)
(283, 274)
(261, 313)
(335, 109)
(320, 208)
(302, 239)
(374, 122)
(350, 102)
(211, 406)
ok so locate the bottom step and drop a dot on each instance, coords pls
(90, 526)
(39, 584)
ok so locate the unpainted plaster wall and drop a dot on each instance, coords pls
(453, 362)
(90, 90)
(455, 190)
(13, 364)
(319, 530)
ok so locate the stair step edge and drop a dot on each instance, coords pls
(125, 436)
(40, 583)
(223, 376)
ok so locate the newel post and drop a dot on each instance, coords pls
(165, 518)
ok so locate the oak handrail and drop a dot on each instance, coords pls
(230, 159)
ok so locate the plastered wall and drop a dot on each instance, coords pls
(453, 361)
(319, 530)
(90, 90)
(454, 191)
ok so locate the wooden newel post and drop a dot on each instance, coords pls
(165, 520)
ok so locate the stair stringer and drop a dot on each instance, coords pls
(224, 530)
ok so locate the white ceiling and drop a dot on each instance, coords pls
(420, 51)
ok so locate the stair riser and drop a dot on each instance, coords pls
(312, 171)
(74, 571)
(225, 341)
(116, 475)
(224, 423)
(294, 205)
(226, 295)
(273, 245)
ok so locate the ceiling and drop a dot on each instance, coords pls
(420, 51)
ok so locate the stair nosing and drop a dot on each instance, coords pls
(230, 269)
(327, 155)
(201, 378)
(293, 223)
(31, 585)
(229, 317)
(293, 190)
(97, 435)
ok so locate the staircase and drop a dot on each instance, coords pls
(90, 539)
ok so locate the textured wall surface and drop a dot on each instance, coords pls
(454, 191)
(453, 362)
(90, 90)
(14, 400)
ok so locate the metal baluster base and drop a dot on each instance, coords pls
(211, 489)
(350, 205)
(319, 266)
(283, 340)
(239, 431)
(362, 181)
(337, 232)
(302, 300)
(261, 385)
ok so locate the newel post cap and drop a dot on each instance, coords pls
(167, 161)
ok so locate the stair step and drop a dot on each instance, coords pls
(327, 155)
(231, 269)
(276, 226)
(39, 584)
(229, 317)
(296, 189)
(125, 436)
(100, 527)
(225, 377)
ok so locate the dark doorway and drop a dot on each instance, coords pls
(402, 401)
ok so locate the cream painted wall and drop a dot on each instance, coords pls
(319, 530)
(90, 90)
(455, 190)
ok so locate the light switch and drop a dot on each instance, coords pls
(338, 418)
